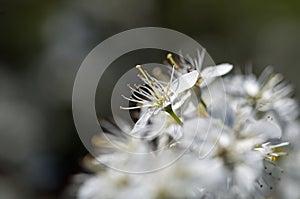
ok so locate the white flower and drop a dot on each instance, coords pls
(109, 184)
(233, 146)
(116, 150)
(177, 181)
(183, 179)
(206, 75)
(267, 93)
(156, 96)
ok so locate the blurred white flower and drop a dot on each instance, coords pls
(114, 147)
(267, 93)
(233, 148)
(107, 184)
(206, 75)
(181, 180)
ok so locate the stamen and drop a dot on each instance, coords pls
(134, 107)
(157, 83)
(149, 92)
(170, 58)
(280, 145)
(133, 100)
(272, 152)
(170, 82)
(139, 67)
(137, 97)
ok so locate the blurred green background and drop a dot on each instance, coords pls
(43, 43)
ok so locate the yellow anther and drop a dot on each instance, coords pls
(170, 58)
(139, 67)
(272, 158)
(150, 82)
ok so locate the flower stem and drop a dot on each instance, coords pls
(169, 110)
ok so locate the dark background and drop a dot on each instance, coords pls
(43, 43)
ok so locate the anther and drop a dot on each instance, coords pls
(170, 58)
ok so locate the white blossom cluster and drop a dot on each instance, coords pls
(240, 133)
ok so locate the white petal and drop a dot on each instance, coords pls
(265, 129)
(251, 86)
(190, 110)
(216, 71)
(142, 122)
(245, 177)
(184, 82)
